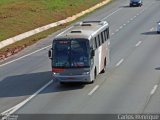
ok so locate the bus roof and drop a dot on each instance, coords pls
(84, 29)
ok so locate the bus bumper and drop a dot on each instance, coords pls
(76, 78)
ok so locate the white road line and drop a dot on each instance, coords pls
(32, 52)
(138, 14)
(93, 90)
(154, 89)
(18, 106)
(64, 31)
(117, 30)
(138, 43)
(131, 19)
(151, 29)
(120, 27)
(128, 21)
(25, 56)
(120, 62)
(111, 14)
(141, 12)
(112, 33)
(124, 24)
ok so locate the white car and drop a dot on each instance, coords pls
(158, 27)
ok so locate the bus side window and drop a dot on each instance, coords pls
(108, 33)
(102, 37)
(99, 40)
(95, 43)
(92, 43)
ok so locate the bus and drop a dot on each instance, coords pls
(80, 53)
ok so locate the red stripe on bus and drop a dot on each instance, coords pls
(57, 70)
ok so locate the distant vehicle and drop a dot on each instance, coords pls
(158, 27)
(80, 53)
(136, 3)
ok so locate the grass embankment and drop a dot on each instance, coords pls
(18, 16)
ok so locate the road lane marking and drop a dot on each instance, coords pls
(154, 89)
(25, 56)
(93, 90)
(112, 34)
(131, 19)
(120, 62)
(151, 29)
(138, 43)
(64, 31)
(111, 14)
(142, 11)
(18, 106)
(117, 30)
(120, 27)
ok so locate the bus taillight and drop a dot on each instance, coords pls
(57, 70)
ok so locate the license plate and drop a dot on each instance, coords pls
(71, 78)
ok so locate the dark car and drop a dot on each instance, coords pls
(136, 3)
(158, 27)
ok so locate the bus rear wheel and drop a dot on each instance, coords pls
(64, 83)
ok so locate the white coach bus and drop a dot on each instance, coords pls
(80, 53)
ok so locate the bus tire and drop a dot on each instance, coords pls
(63, 83)
(91, 82)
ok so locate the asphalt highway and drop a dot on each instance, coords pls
(130, 85)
